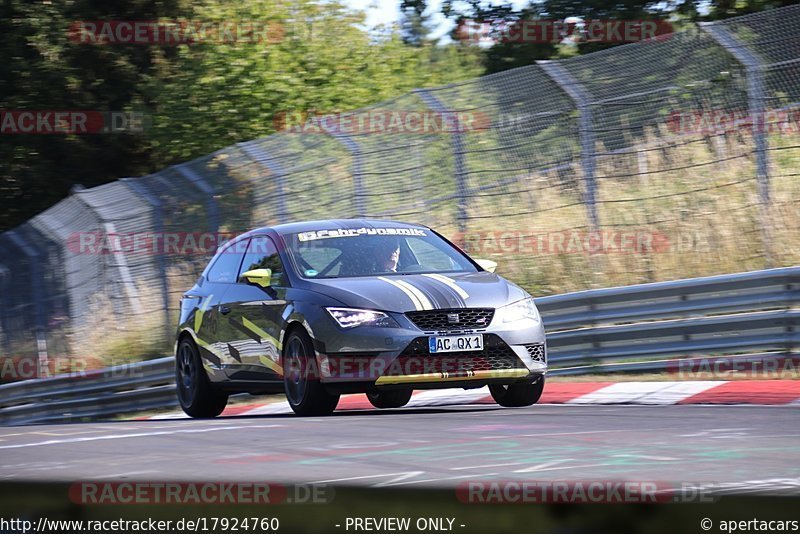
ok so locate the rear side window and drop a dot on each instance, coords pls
(226, 265)
(262, 254)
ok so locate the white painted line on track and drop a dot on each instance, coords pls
(565, 467)
(58, 434)
(392, 484)
(136, 435)
(128, 474)
(542, 467)
(540, 434)
(484, 466)
(645, 457)
(402, 476)
(715, 432)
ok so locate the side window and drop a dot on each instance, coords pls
(226, 267)
(262, 254)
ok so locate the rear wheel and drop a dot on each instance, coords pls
(195, 393)
(389, 399)
(518, 393)
(304, 391)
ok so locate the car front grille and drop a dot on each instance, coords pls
(537, 352)
(449, 320)
(416, 359)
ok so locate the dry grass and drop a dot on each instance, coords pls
(691, 217)
(113, 336)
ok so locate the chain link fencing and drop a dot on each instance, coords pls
(669, 158)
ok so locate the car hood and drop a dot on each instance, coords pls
(410, 292)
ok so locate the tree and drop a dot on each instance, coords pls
(503, 55)
(199, 97)
(42, 69)
(414, 22)
(324, 64)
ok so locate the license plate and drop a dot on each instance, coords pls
(437, 344)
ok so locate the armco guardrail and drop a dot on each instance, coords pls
(751, 315)
(730, 314)
(115, 390)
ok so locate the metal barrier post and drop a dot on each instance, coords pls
(755, 101)
(139, 188)
(131, 292)
(583, 102)
(459, 158)
(5, 311)
(37, 286)
(276, 172)
(211, 202)
(355, 152)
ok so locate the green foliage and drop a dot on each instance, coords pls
(41, 69)
(198, 98)
(503, 56)
(324, 64)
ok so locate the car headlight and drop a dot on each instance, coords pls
(351, 317)
(522, 309)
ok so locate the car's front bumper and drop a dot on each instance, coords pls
(398, 356)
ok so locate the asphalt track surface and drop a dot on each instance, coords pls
(743, 448)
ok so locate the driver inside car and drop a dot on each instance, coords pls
(387, 254)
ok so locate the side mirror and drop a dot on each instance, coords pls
(487, 265)
(258, 277)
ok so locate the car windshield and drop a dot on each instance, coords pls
(356, 252)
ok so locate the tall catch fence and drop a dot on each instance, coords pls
(670, 158)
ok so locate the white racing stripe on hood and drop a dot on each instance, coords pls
(411, 293)
(426, 304)
(448, 282)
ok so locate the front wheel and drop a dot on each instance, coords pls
(301, 381)
(195, 393)
(518, 393)
(389, 399)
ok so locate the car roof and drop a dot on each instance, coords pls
(335, 224)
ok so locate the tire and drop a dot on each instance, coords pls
(389, 399)
(518, 393)
(307, 396)
(196, 395)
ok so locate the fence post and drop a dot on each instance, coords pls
(358, 178)
(276, 171)
(583, 102)
(5, 311)
(459, 158)
(110, 229)
(140, 189)
(755, 101)
(37, 287)
(211, 202)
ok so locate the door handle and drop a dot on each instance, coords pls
(224, 310)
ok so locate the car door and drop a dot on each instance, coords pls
(256, 314)
(209, 321)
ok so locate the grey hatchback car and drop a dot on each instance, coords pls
(321, 308)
